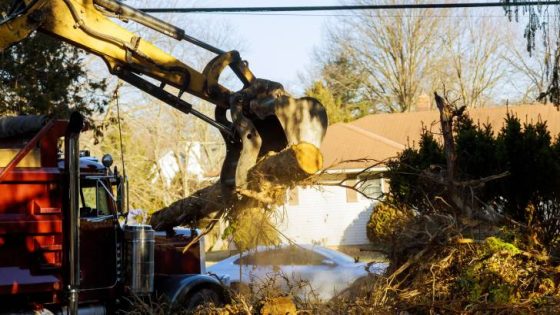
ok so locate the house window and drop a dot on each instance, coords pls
(372, 188)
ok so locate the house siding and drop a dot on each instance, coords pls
(324, 216)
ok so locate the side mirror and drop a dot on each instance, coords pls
(328, 262)
(107, 160)
(121, 195)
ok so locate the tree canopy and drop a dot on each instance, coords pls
(42, 75)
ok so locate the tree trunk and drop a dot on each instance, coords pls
(446, 114)
(267, 183)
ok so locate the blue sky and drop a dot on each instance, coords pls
(277, 46)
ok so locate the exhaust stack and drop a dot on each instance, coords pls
(72, 213)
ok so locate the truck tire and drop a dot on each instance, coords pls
(200, 297)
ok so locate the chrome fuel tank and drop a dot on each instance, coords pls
(139, 258)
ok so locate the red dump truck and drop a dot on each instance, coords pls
(64, 245)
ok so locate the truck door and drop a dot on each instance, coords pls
(98, 235)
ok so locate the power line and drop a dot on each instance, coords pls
(352, 15)
(351, 7)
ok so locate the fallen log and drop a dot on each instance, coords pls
(267, 182)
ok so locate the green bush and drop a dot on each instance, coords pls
(407, 188)
(527, 151)
(386, 222)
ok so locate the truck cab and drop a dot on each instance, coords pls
(112, 262)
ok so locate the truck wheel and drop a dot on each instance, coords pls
(201, 297)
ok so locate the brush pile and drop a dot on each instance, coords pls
(446, 265)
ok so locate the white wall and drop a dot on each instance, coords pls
(193, 157)
(324, 216)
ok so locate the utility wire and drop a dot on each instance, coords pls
(351, 7)
(352, 15)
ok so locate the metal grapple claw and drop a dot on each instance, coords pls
(265, 118)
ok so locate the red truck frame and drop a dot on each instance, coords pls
(63, 245)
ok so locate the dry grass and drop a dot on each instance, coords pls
(446, 265)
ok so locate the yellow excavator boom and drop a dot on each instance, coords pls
(84, 23)
(263, 117)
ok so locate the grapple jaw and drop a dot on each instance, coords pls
(266, 119)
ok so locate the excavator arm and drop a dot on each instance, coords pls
(263, 116)
(84, 23)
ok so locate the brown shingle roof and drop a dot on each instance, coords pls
(383, 136)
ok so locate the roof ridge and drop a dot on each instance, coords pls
(507, 108)
(375, 136)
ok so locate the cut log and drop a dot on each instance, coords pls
(267, 184)
(291, 165)
(190, 210)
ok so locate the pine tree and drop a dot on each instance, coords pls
(42, 75)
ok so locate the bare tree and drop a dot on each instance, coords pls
(471, 62)
(390, 59)
(542, 28)
(532, 70)
(396, 53)
(160, 143)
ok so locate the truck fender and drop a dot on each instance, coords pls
(174, 287)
